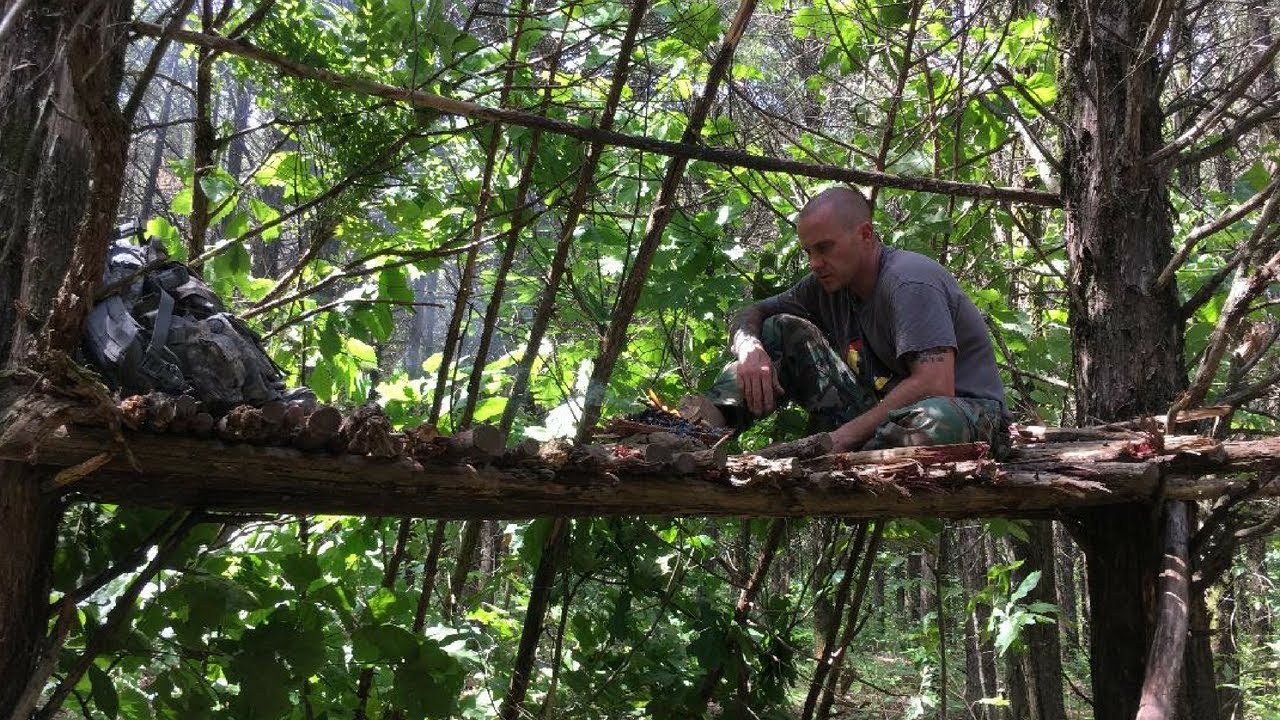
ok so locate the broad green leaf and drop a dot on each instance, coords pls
(104, 694)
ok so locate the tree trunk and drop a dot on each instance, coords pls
(58, 123)
(911, 607)
(1039, 669)
(28, 533)
(1127, 340)
(203, 142)
(979, 662)
(1065, 558)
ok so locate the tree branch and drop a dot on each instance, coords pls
(153, 62)
(1233, 92)
(685, 150)
(116, 619)
(1267, 194)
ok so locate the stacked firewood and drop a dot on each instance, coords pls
(316, 428)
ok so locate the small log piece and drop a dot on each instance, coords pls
(185, 407)
(923, 455)
(423, 442)
(554, 454)
(524, 453)
(133, 411)
(294, 416)
(243, 423)
(806, 447)
(687, 463)
(162, 409)
(318, 429)
(273, 412)
(367, 432)
(483, 442)
(201, 425)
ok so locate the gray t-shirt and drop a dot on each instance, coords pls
(916, 305)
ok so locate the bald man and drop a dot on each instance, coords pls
(879, 345)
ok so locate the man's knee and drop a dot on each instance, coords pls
(778, 331)
(934, 420)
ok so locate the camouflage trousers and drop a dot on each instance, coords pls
(813, 375)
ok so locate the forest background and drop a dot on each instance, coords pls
(397, 249)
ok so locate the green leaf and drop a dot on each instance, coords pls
(300, 569)
(381, 604)
(237, 224)
(894, 13)
(429, 685)
(490, 408)
(329, 341)
(104, 692)
(380, 643)
(162, 229)
(264, 686)
(1027, 585)
(181, 203)
(393, 284)
(134, 705)
(709, 648)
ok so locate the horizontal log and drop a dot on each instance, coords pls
(216, 475)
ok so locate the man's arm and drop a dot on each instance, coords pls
(757, 378)
(756, 375)
(933, 372)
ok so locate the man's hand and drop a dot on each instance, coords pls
(757, 378)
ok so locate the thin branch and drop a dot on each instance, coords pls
(1044, 111)
(389, 572)
(125, 564)
(1201, 232)
(684, 149)
(341, 303)
(1233, 92)
(655, 227)
(534, 615)
(11, 17)
(253, 20)
(375, 165)
(359, 271)
(1243, 291)
(1230, 137)
(577, 205)
(115, 619)
(153, 63)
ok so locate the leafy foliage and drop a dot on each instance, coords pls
(343, 222)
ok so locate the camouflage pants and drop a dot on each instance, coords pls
(815, 377)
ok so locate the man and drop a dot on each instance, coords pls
(915, 364)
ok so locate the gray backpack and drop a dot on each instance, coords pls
(164, 329)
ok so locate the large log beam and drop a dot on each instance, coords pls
(174, 471)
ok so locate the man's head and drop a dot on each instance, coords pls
(836, 233)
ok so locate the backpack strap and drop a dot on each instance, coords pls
(164, 317)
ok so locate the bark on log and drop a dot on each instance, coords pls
(279, 479)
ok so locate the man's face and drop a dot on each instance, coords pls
(839, 254)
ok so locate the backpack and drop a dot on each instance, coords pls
(165, 330)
